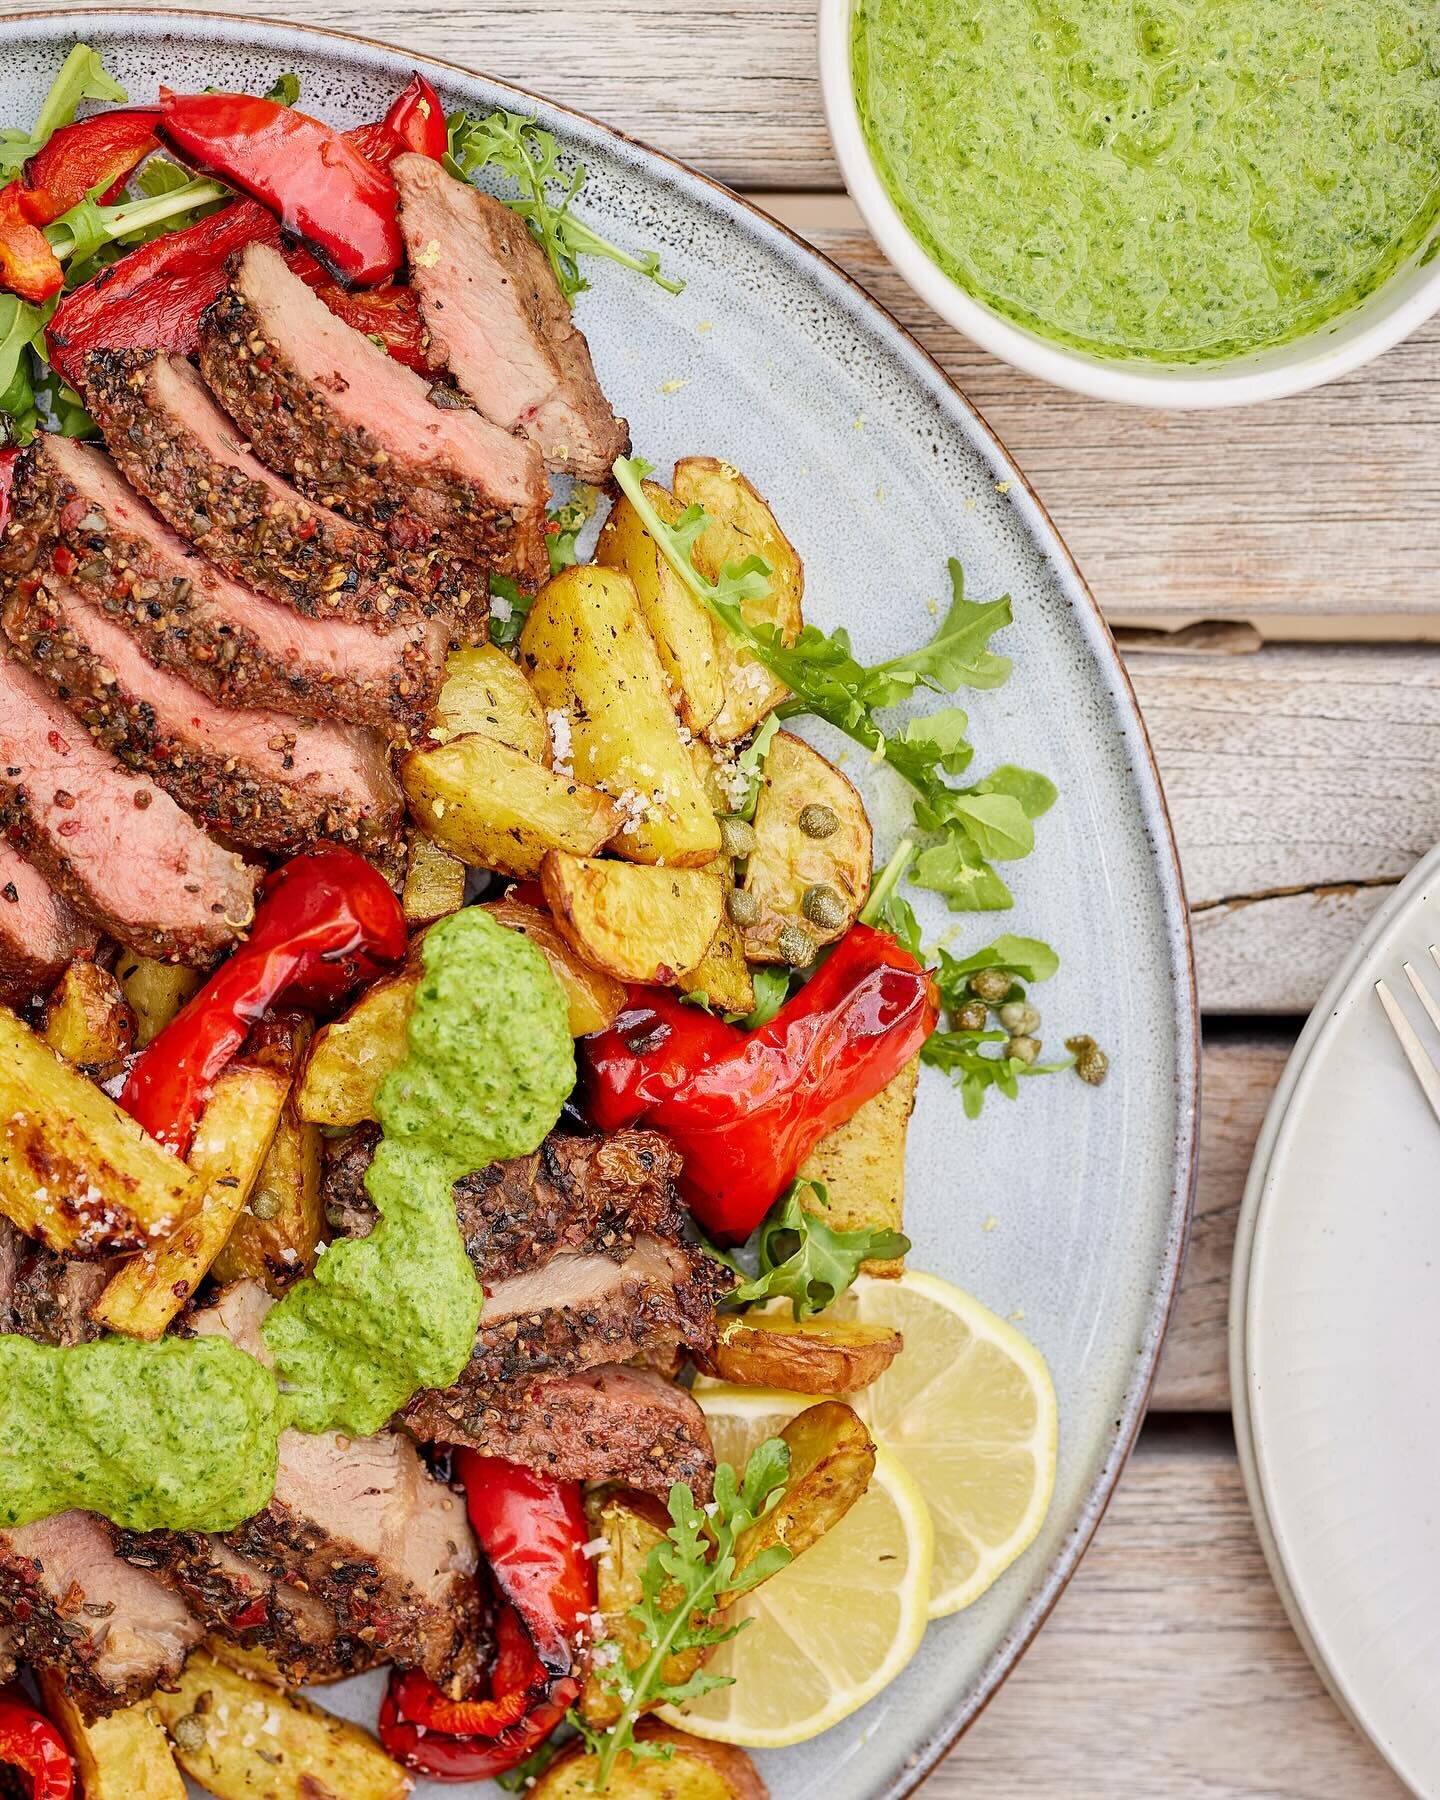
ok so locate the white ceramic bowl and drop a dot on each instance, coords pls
(1405, 301)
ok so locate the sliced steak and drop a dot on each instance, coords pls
(259, 778)
(188, 459)
(40, 935)
(68, 1603)
(606, 1424)
(48, 1297)
(73, 512)
(358, 431)
(499, 322)
(112, 842)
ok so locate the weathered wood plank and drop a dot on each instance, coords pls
(1168, 1669)
(1304, 781)
(1238, 1079)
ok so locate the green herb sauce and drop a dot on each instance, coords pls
(1176, 180)
(183, 1433)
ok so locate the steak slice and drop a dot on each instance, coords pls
(606, 1424)
(259, 778)
(190, 462)
(499, 322)
(73, 512)
(40, 936)
(112, 842)
(48, 1297)
(68, 1603)
(359, 431)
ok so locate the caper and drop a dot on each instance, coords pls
(1023, 1049)
(818, 821)
(265, 1203)
(737, 836)
(991, 985)
(1092, 1065)
(189, 1734)
(823, 907)
(974, 1015)
(797, 946)
(1019, 1018)
(743, 908)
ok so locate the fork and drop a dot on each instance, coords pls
(1427, 1070)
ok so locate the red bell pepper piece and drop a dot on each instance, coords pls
(106, 148)
(324, 191)
(30, 1743)
(442, 1757)
(28, 266)
(391, 314)
(746, 1108)
(417, 119)
(153, 298)
(326, 921)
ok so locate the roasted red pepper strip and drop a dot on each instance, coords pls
(441, 1757)
(324, 190)
(746, 1108)
(417, 119)
(391, 314)
(152, 299)
(105, 149)
(326, 921)
(28, 266)
(30, 1743)
(518, 1683)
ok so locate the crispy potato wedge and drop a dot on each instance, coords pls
(88, 1020)
(352, 1056)
(723, 973)
(123, 1757)
(862, 1164)
(485, 692)
(434, 882)
(832, 1458)
(802, 1356)
(156, 991)
(742, 525)
(681, 627)
(493, 808)
(595, 999)
(788, 864)
(279, 1226)
(695, 1770)
(76, 1171)
(232, 1141)
(635, 923)
(586, 650)
(632, 1523)
(245, 1740)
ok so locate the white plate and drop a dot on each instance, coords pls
(1335, 1344)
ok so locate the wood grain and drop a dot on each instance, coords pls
(1168, 1670)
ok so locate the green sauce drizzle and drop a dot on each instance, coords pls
(1177, 180)
(183, 1433)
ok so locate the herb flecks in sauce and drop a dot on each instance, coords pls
(1179, 180)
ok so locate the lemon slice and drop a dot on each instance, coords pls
(832, 1628)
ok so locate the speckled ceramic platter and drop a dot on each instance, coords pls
(1067, 1209)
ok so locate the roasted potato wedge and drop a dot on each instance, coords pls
(695, 1770)
(812, 860)
(632, 1523)
(803, 1356)
(723, 974)
(742, 525)
(123, 1757)
(683, 631)
(434, 882)
(587, 652)
(493, 808)
(862, 1164)
(156, 991)
(275, 1237)
(635, 923)
(351, 1057)
(485, 692)
(595, 999)
(232, 1141)
(76, 1171)
(246, 1740)
(88, 1020)
(832, 1458)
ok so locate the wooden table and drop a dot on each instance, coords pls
(1271, 576)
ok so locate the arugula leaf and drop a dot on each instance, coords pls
(523, 1776)
(20, 325)
(520, 149)
(88, 227)
(684, 1580)
(887, 908)
(959, 1055)
(958, 1051)
(507, 620)
(285, 90)
(959, 654)
(772, 988)
(1027, 958)
(82, 76)
(751, 764)
(807, 1262)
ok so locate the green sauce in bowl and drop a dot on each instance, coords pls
(1180, 182)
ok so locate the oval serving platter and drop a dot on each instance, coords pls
(1066, 1210)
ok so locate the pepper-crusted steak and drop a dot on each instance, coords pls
(40, 934)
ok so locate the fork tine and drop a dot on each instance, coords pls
(1415, 1052)
(1423, 994)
